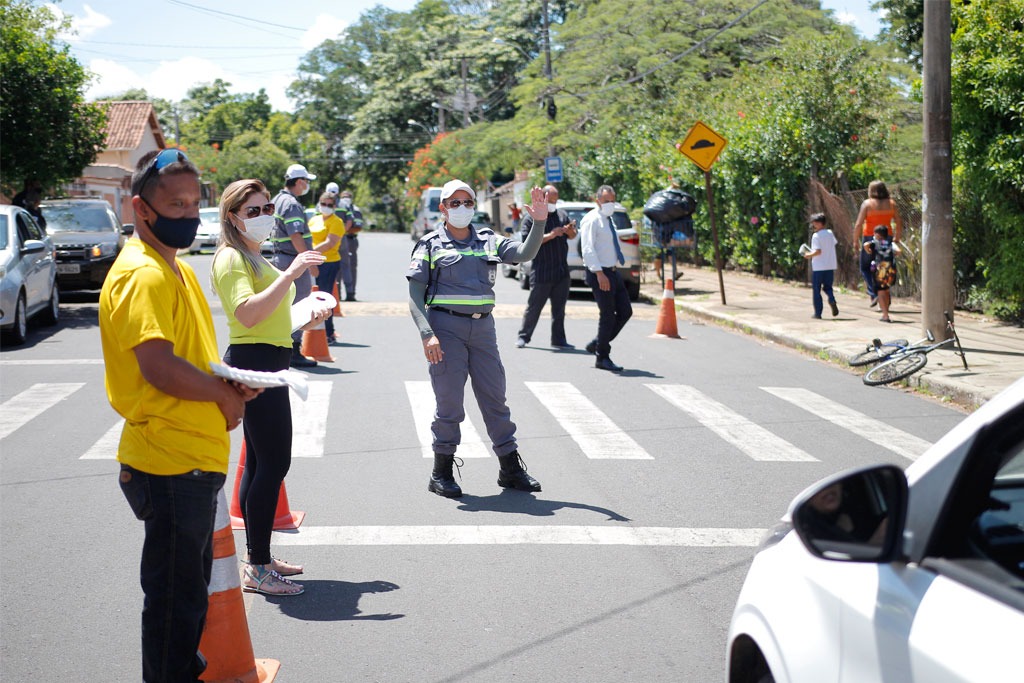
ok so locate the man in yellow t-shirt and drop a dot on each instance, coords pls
(327, 230)
(158, 341)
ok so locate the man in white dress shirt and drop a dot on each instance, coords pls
(602, 255)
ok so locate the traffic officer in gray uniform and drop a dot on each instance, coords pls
(350, 244)
(451, 296)
(290, 237)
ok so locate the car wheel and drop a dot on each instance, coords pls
(51, 315)
(633, 289)
(19, 330)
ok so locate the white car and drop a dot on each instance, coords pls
(209, 230)
(629, 241)
(877, 576)
(28, 274)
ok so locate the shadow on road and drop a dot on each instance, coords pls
(333, 601)
(519, 502)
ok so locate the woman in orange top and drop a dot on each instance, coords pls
(877, 209)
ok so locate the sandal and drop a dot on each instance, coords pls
(268, 582)
(285, 568)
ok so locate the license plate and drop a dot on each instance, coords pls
(69, 268)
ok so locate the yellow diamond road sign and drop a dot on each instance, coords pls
(702, 146)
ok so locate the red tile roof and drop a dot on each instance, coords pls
(126, 123)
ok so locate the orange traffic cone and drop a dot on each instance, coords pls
(284, 518)
(225, 642)
(314, 342)
(666, 326)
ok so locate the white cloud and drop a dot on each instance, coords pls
(848, 18)
(110, 78)
(81, 26)
(324, 27)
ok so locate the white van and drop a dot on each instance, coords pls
(428, 213)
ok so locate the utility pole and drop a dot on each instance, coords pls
(465, 94)
(937, 294)
(546, 36)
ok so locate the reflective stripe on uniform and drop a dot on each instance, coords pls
(464, 300)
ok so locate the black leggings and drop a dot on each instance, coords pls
(268, 446)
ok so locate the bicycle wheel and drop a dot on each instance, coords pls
(895, 368)
(873, 355)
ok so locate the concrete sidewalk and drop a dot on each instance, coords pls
(781, 312)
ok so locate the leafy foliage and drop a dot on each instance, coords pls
(49, 133)
(988, 146)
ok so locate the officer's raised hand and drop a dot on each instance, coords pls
(538, 206)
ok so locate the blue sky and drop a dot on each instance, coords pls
(168, 46)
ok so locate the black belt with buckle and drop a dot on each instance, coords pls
(474, 316)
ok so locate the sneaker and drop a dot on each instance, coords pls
(565, 346)
(874, 302)
(520, 343)
(816, 317)
(835, 308)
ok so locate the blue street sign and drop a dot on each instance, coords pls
(553, 169)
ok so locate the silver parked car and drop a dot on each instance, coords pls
(28, 274)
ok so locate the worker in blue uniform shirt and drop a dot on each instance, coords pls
(451, 296)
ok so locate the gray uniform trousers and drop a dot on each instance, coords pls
(470, 349)
(303, 283)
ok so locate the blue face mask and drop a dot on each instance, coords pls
(174, 232)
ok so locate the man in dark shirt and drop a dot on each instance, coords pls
(549, 277)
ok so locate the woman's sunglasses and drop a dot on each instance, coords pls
(253, 211)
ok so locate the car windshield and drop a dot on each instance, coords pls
(209, 215)
(76, 218)
(434, 203)
(4, 236)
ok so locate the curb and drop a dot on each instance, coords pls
(923, 382)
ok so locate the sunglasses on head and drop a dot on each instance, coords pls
(162, 160)
(253, 211)
(456, 203)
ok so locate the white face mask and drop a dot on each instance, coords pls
(607, 209)
(305, 188)
(345, 201)
(326, 210)
(460, 217)
(551, 208)
(259, 228)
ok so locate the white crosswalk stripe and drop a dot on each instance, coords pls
(421, 400)
(309, 420)
(870, 428)
(106, 447)
(593, 431)
(31, 403)
(754, 440)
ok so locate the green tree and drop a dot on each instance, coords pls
(48, 131)
(988, 147)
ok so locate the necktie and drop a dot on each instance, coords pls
(615, 241)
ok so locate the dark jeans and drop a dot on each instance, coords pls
(325, 283)
(865, 268)
(822, 279)
(614, 307)
(540, 293)
(268, 446)
(177, 556)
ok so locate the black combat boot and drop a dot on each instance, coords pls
(442, 481)
(512, 473)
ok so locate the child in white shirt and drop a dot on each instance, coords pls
(823, 264)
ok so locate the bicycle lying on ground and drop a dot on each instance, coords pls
(897, 359)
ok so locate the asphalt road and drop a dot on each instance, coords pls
(657, 486)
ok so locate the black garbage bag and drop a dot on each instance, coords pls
(667, 206)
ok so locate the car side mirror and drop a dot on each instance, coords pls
(128, 229)
(33, 246)
(854, 517)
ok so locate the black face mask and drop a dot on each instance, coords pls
(174, 232)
